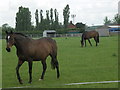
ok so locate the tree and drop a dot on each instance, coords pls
(23, 19)
(81, 26)
(6, 27)
(51, 15)
(37, 19)
(116, 19)
(41, 26)
(107, 21)
(56, 22)
(47, 19)
(51, 18)
(41, 16)
(66, 15)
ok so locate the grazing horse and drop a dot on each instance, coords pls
(30, 50)
(87, 35)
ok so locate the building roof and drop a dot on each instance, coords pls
(114, 26)
(71, 25)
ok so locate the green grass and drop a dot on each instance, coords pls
(77, 64)
(0, 63)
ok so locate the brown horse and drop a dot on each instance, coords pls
(32, 50)
(87, 35)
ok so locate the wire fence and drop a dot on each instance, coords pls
(55, 35)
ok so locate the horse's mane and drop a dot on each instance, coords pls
(20, 34)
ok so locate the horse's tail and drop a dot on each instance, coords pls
(53, 55)
(52, 64)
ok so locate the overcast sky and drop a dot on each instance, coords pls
(90, 12)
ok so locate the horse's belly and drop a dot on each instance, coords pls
(36, 59)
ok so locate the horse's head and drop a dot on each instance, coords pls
(82, 43)
(9, 40)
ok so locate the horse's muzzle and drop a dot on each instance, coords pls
(8, 49)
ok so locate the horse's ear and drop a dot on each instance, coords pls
(6, 32)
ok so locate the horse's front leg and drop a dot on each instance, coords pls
(44, 69)
(20, 62)
(89, 42)
(30, 71)
(85, 43)
(96, 43)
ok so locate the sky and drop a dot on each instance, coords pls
(89, 12)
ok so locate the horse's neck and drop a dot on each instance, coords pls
(20, 42)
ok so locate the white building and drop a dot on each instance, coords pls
(49, 33)
(103, 31)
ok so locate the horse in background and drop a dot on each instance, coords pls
(87, 35)
(28, 49)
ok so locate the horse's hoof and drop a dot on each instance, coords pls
(20, 81)
(58, 76)
(40, 79)
(29, 82)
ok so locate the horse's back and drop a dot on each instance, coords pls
(90, 34)
(48, 41)
(94, 33)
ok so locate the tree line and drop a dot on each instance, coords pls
(115, 20)
(50, 21)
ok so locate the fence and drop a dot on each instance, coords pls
(114, 33)
(49, 35)
(59, 35)
(64, 35)
(55, 35)
(69, 35)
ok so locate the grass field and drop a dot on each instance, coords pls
(0, 63)
(89, 64)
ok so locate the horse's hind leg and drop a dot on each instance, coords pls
(44, 69)
(89, 42)
(85, 43)
(55, 64)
